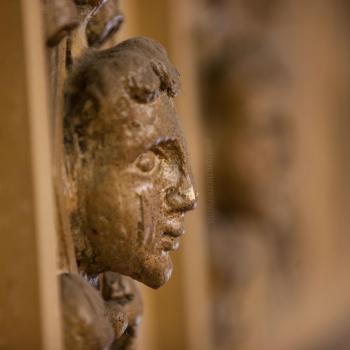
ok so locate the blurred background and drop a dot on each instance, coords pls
(265, 107)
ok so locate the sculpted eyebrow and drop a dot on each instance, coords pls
(165, 148)
(159, 150)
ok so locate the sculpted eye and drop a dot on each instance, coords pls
(146, 161)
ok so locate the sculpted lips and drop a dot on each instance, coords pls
(173, 230)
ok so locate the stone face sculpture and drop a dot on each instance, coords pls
(128, 185)
(128, 171)
(122, 174)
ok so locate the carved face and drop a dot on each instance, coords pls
(252, 154)
(137, 189)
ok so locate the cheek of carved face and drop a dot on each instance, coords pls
(135, 213)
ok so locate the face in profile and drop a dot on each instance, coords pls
(134, 186)
(138, 193)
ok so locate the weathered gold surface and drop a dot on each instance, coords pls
(126, 179)
(129, 177)
(123, 181)
(128, 182)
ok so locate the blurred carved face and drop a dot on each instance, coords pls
(252, 154)
(138, 189)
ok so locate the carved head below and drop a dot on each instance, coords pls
(129, 178)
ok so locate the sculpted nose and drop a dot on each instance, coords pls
(182, 198)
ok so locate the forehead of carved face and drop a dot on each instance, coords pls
(138, 188)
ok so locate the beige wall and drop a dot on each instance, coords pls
(28, 291)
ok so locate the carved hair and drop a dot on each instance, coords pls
(137, 69)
